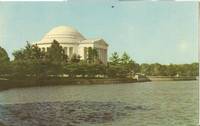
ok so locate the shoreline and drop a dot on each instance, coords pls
(10, 84)
(32, 82)
(168, 78)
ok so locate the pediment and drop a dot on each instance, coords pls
(101, 42)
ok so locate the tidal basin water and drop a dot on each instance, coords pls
(164, 103)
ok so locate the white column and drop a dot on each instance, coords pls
(68, 51)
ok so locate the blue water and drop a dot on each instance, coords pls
(167, 103)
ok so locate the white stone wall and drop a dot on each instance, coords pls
(68, 46)
(81, 49)
(101, 47)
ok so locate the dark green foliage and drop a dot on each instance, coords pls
(55, 54)
(29, 62)
(75, 58)
(117, 71)
(122, 66)
(3, 56)
(114, 59)
(170, 70)
(4, 62)
(56, 59)
(125, 59)
(85, 70)
(145, 69)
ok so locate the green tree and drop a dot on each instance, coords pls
(56, 59)
(145, 69)
(38, 63)
(114, 71)
(71, 69)
(3, 56)
(163, 70)
(124, 66)
(195, 69)
(4, 61)
(172, 70)
(18, 55)
(129, 64)
(29, 61)
(125, 58)
(114, 59)
(55, 54)
(156, 69)
(75, 58)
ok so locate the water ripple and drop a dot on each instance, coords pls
(70, 113)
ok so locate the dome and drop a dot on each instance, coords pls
(63, 34)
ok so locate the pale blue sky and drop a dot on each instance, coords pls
(164, 32)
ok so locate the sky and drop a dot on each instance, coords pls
(150, 32)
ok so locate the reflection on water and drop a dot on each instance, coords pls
(139, 104)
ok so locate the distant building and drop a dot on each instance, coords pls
(74, 43)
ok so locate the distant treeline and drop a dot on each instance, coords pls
(157, 69)
(33, 62)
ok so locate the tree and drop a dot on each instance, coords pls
(114, 59)
(119, 71)
(4, 61)
(129, 65)
(163, 70)
(18, 55)
(124, 66)
(29, 61)
(172, 70)
(156, 69)
(145, 69)
(195, 69)
(3, 56)
(114, 71)
(38, 63)
(55, 54)
(75, 58)
(55, 58)
(71, 69)
(125, 58)
(133, 67)
(18, 65)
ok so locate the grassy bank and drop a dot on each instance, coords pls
(53, 81)
(31, 82)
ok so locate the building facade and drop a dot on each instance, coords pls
(74, 42)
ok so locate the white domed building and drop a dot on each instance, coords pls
(73, 42)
